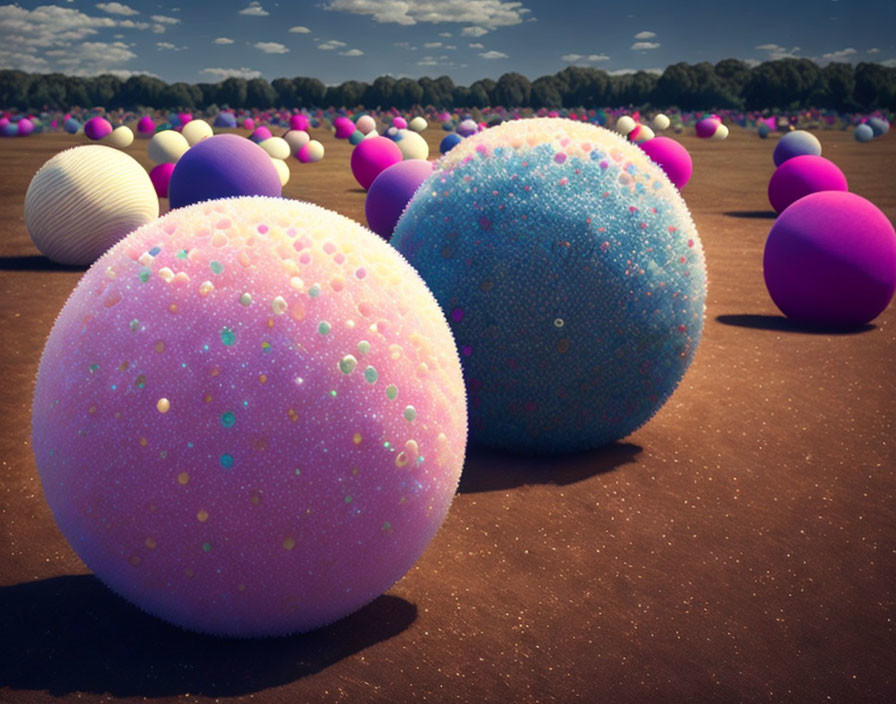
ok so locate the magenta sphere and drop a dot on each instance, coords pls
(248, 124)
(161, 178)
(399, 122)
(802, 175)
(249, 417)
(344, 127)
(259, 134)
(97, 127)
(222, 166)
(26, 127)
(672, 158)
(184, 117)
(146, 126)
(371, 157)
(299, 122)
(707, 127)
(391, 191)
(830, 260)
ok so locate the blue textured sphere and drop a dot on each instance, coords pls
(572, 276)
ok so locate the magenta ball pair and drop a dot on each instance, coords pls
(344, 127)
(671, 157)
(371, 157)
(800, 176)
(830, 261)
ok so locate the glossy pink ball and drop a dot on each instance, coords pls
(371, 157)
(97, 127)
(344, 127)
(672, 158)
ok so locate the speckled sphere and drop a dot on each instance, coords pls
(572, 275)
(84, 200)
(249, 418)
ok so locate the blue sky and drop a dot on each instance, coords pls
(338, 40)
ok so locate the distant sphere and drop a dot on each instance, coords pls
(299, 122)
(399, 122)
(276, 147)
(672, 158)
(797, 143)
(145, 126)
(707, 127)
(26, 127)
(343, 127)
(878, 126)
(412, 145)
(196, 130)
(356, 137)
(98, 127)
(762, 130)
(296, 139)
(417, 124)
(371, 157)
(166, 146)
(863, 133)
(161, 177)
(312, 152)
(449, 141)
(259, 134)
(720, 134)
(366, 124)
(640, 134)
(120, 138)
(71, 125)
(391, 191)
(467, 128)
(802, 175)
(661, 122)
(248, 124)
(625, 124)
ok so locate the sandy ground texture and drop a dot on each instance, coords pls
(739, 547)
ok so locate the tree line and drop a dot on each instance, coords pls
(784, 84)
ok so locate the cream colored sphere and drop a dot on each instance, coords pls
(276, 147)
(366, 124)
(282, 170)
(720, 134)
(166, 147)
(84, 200)
(120, 137)
(412, 145)
(418, 124)
(196, 130)
(625, 124)
(661, 122)
(296, 139)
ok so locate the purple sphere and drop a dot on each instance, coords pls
(707, 127)
(371, 157)
(802, 175)
(222, 166)
(97, 128)
(796, 143)
(260, 134)
(146, 126)
(671, 157)
(830, 260)
(391, 191)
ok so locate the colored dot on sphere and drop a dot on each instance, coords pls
(802, 175)
(241, 460)
(830, 260)
(511, 239)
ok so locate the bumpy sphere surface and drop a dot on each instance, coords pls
(84, 200)
(830, 260)
(802, 175)
(572, 275)
(249, 417)
(391, 191)
(412, 145)
(196, 130)
(222, 166)
(672, 157)
(371, 157)
(796, 143)
(166, 147)
(863, 133)
(449, 142)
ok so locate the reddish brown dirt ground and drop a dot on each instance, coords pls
(739, 547)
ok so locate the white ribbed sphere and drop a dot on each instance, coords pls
(720, 134)
(84, 200)
(282, 170)
(196, 130)
(120, 137)
(412, 145)
(296, 139)
(418, 124)
(166, 147)
(276, 147)
(660, 122)
(366, 124)
(625, 124)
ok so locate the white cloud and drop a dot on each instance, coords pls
(352, 52)
(627, 71)
(254, 10)
(330, 45)
(405, 45)
(450, 47)
(645, 35)
(779, 52)
(169, 46)
(841, 55)
(432, 45)
(889, 62)
(572, 57)
(428, 61)
(271, 47)
(223, 40)
(124, 74)
(46, 26)
(130, 24)
(164, 19)
(222, 73)
(493, 55)
(476, 45)
(299, 29)
(873, 51)
(447, 35)
(473, 32)
(487, 13)
(116, 8)
(590, 58)
(644, 46)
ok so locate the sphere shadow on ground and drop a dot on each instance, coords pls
(494, 470)
(72, 634)
(783, 324)
(35, 262)
(752, 214)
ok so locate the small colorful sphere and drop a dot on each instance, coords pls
(249, 417)
(707, 127)
(10, 129)
(796, 143)
(356, 137)
(371, 157)
(625, 124)
(299, 123)
(84, 200)
(161, 178)
(196, 130)
(466, 128)
(672, 158)
(573, 277)
(391, 191)
(248, 124)
(802, 175)
(661, 122)
(282, 170)
(97, 127)
(830, 260)
(260, 134)
(184, 118)
(721, 133)
(412, 145)
(640, 134)
(343, 127)
(863, 133)
(145, 126)
(120, 138)
(296, 139)
(449, 142)
(71, 125)
(399, 123)
(222, 166)
(226, 120)
(25, 127)
(366, 124)
(762, 130)
(417, 124)
(878, 126)
(276, 147)
(166, 146)
(311, 152)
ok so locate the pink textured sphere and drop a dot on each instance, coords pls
(800, 176)
(97, 127)
(830, 260)
(672, 158)
(161, 177)
(371, 157)
(249, 418)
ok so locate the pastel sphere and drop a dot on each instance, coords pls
(344, 127)
(282, 170)
(312, 152)
(467, 128)
(572, 275)
(145, 126)
(261, 426)
(356, 137)
(661, 122)
(97, 127)
(84, 200)
(399, 123)
(762, 130)
(296, 139)
(802, 175)
(222, 166)
(625, 124)
(796, 143)
(248, 124)
(417, 124)
(71, 125)
(226, 120)
(830, 260)
(120, 138)
(25, 127)
(449, 142)
(640, 134)
(412, 145)
(707, 127)
(166, 146)
(720, 134)
(863, 133)
(259, 134)
(391, 191)
(161, 178)
(276, 147)
(366, 124)
(299, 122)
(878, 126)
(10, 129)
(371, 157)
(672, 158)
(196, 130)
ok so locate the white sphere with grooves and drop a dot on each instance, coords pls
(661, 122)
(412, 145)
(296, 139)
(166, 147)
(84, 200)
(418, 124)
(282, 170)
(276, 147)
(625, 124)
(120, 137)
(196, 130)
